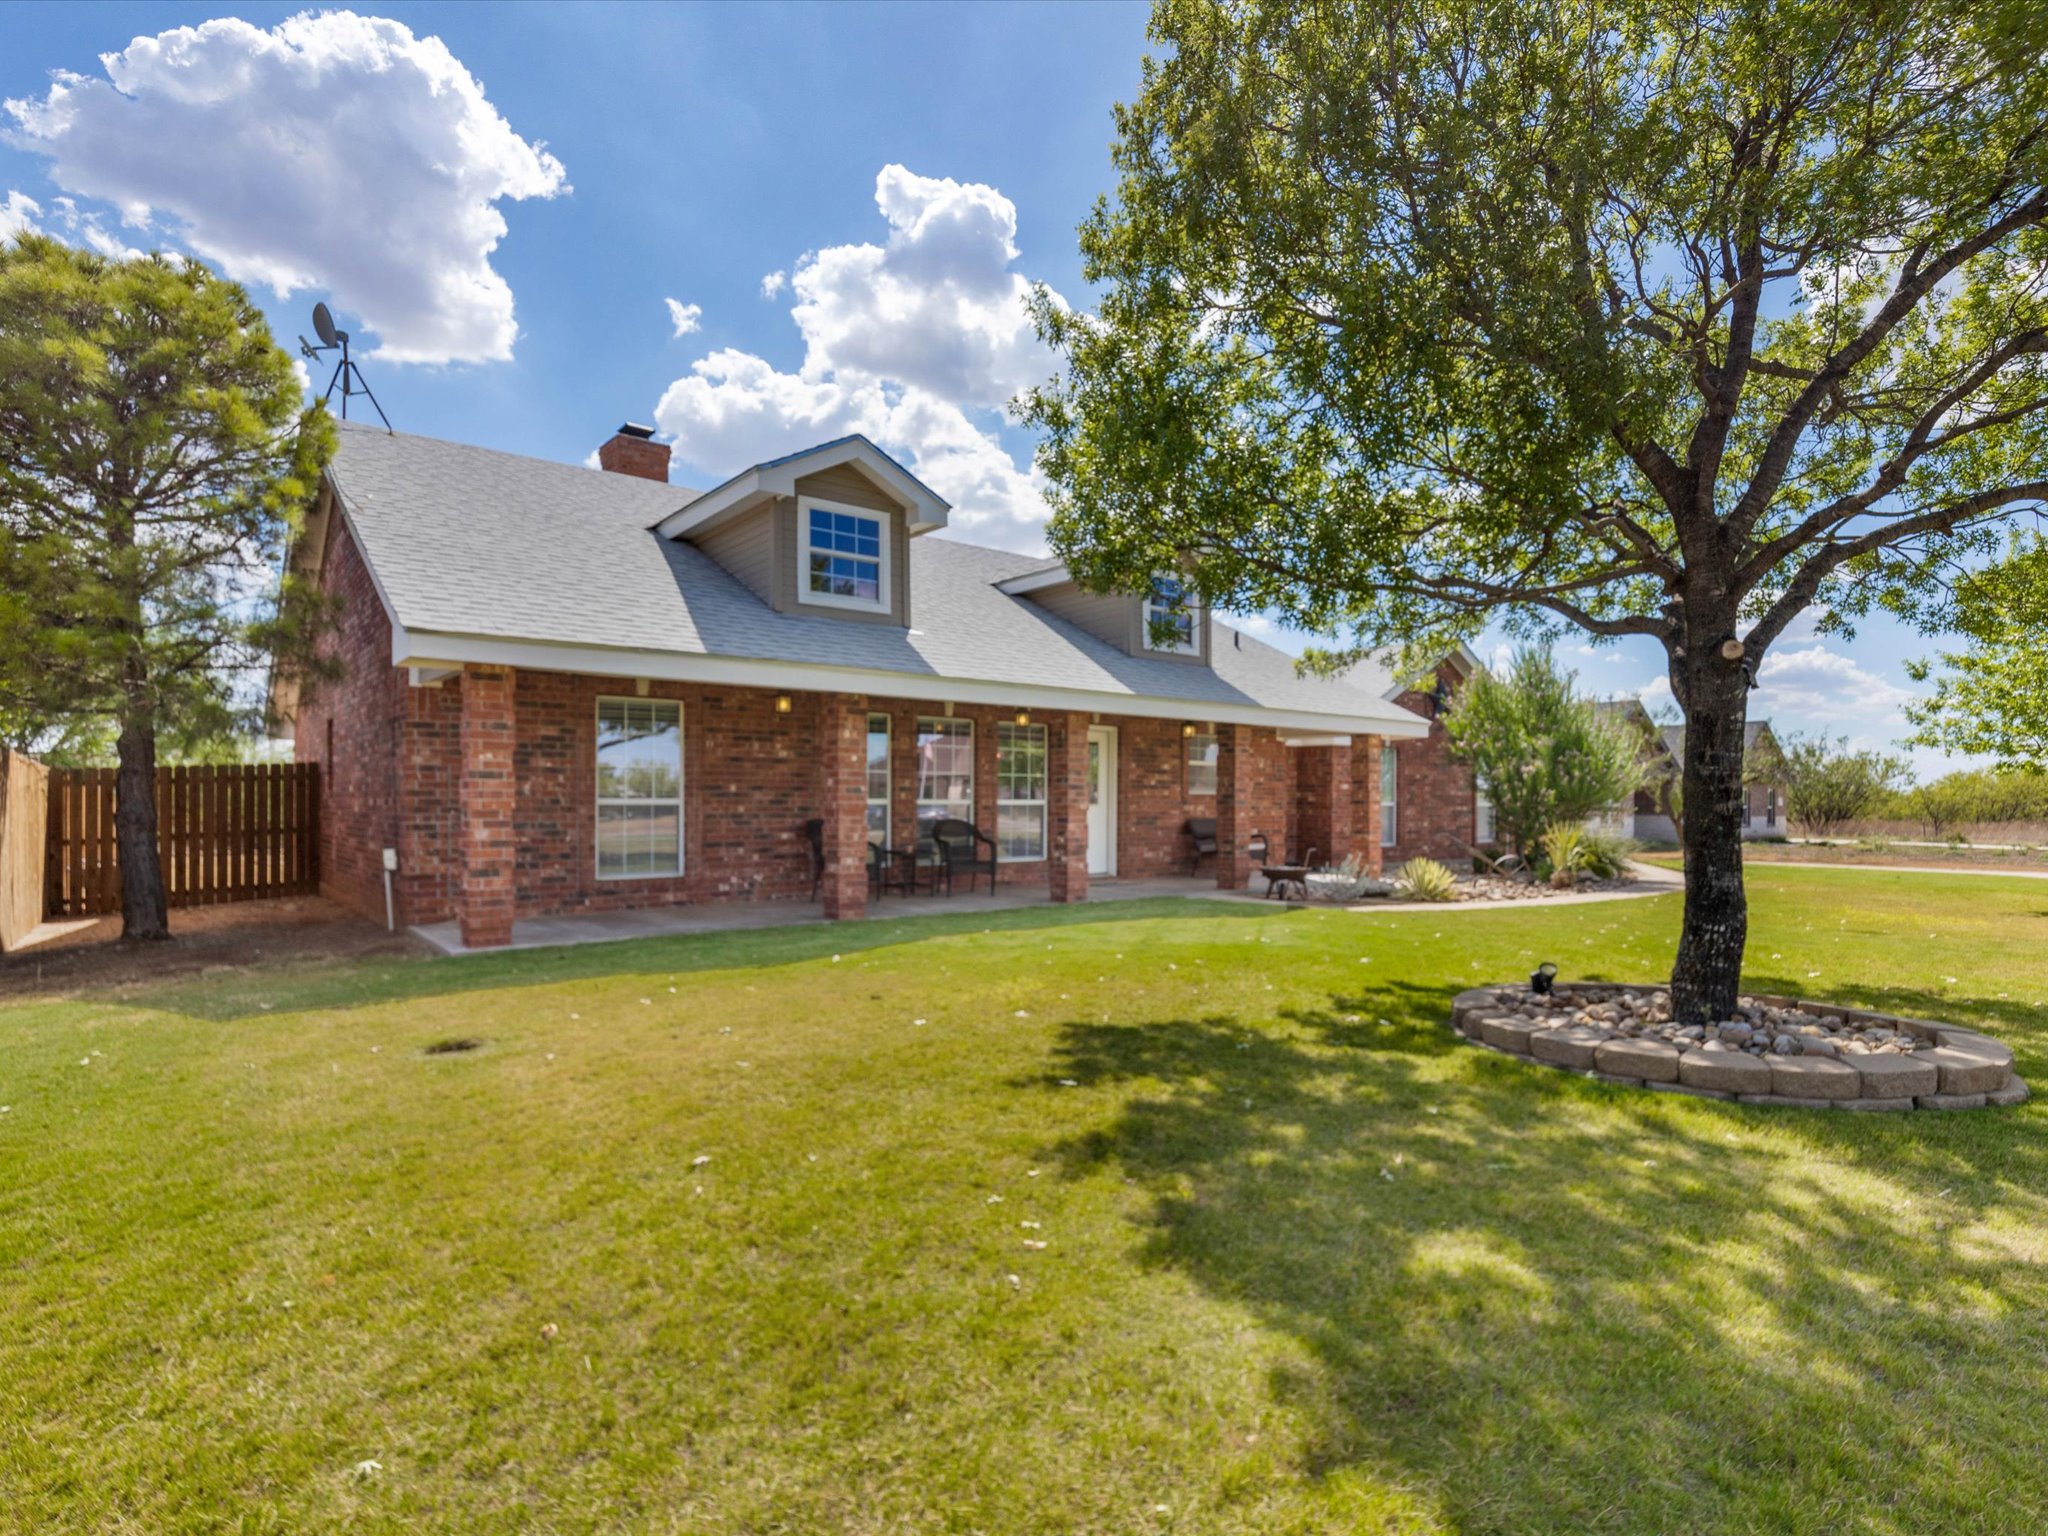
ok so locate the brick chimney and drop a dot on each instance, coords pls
(633, 451)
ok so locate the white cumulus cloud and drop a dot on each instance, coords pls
(1828, 687)
(684, 317)
(773, 284)
(917, 343)
(333, 151)
(937, 306)
(18, 215)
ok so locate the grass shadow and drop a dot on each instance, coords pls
(1531, 1293)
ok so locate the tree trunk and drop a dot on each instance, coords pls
(1707, 975)
(143, 914)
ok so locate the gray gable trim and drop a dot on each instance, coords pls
(477, 551)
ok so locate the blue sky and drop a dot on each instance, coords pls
(755, 226)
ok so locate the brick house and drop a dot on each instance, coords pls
(569, 690)
(1428, 804)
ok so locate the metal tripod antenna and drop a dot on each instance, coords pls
(346, 373)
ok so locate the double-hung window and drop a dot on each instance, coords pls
(1170, 618)
(878, 780)
(1020, 791)
(844, 556)
(639, 788)
(1202, 757)
(945, 771)
(1389, 781)
(1483, 830)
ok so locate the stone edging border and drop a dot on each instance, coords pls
(1965, 1070)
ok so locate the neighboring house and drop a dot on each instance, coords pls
(1763, 794)
(570, 690)
(1645, 814)
(1430, 806)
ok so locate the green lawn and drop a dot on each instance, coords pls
(1307, 1264)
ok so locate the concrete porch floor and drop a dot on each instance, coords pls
(732, 916)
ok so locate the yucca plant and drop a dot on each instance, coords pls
(1425, 880)
(1564, 849)
(1605, 855)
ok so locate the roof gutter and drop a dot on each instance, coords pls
(441, 650)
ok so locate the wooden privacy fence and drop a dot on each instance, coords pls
(24, 785)
(235, 833)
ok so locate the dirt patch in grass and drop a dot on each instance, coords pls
(91, 955)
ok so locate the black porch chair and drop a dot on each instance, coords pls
(959, 845)
(1201, 831)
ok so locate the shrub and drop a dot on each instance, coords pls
(1545, 754)
(1605, 855)
(1563, 844)
(1425, 880)
(1828, 787)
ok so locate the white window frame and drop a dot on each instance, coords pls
(1189, 765)
(1006, 730)
(973, 751)
(805, 506)
(1390, 796)
(602, 800)
(1191, 611)
(888, 800)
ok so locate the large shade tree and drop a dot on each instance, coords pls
(1991, 697)
(155, 450)
(1657, 320)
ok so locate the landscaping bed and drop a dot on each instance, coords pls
(1776, 1050)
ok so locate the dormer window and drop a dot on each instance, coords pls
(843, 556)
(1170, 618)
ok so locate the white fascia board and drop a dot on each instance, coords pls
(1293, 739)
(423, 649)
(744, 490)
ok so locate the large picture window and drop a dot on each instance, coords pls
(1020, 791)
(639, 788)
(1202, 758)
(878, 780)
(945, 772)
(844, 556)
(1389, 780)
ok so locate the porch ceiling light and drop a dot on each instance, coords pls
(1023, 717)
(1187, 728)
(782, 704)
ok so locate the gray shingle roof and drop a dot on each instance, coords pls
(471, 541)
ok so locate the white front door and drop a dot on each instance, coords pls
(1102, 800)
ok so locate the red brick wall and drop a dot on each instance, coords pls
(361, 717)
(1321, 804)
(751, 777)
(1437, 814)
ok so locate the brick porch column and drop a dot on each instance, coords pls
(1322, 779)
(1234, 809)
(1066, 805)
(1365, 800)
(488, 796)
(843, 802)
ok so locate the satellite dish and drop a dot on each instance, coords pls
(346, 373)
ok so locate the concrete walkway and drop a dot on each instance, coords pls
(741, 916)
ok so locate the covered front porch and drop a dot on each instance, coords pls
(750, 808)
